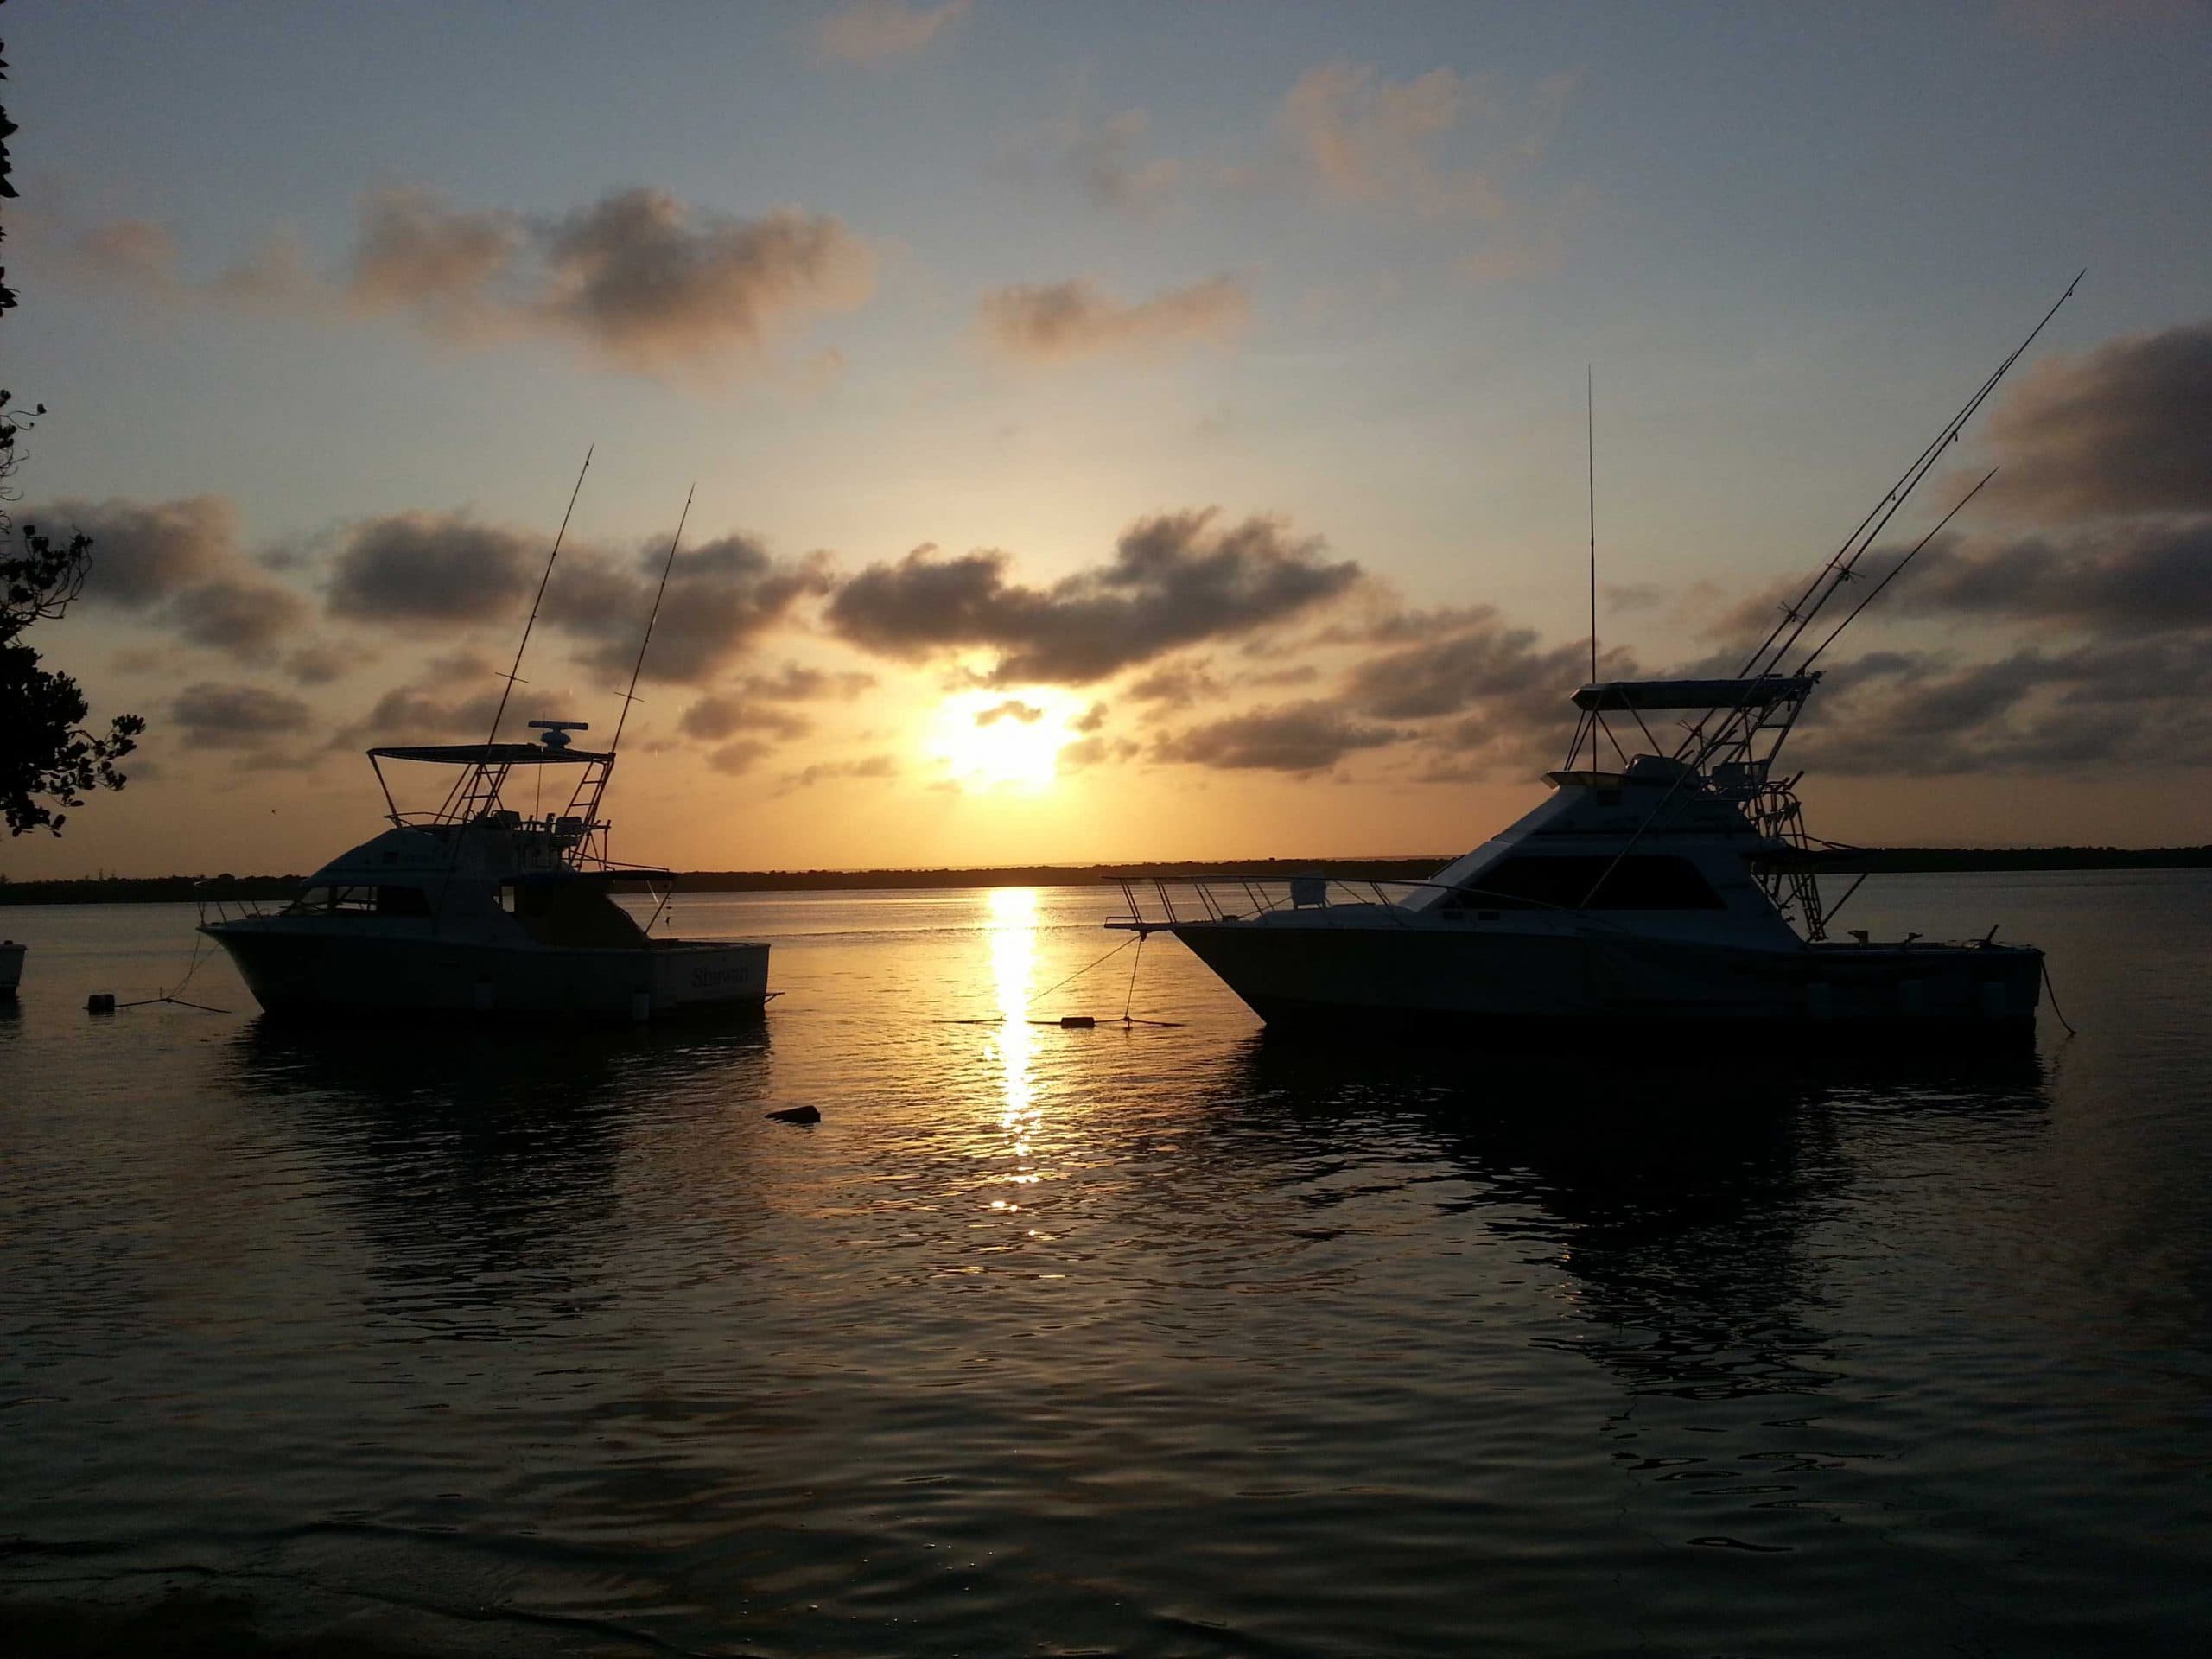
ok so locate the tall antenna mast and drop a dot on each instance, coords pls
(499, 714)
(1589, 433)
(637, 667)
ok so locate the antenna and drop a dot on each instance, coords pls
(637, 667)
(499, 714)
(1589, 433)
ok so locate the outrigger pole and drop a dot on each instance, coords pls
(499, 714)
(660, 593)
(1798, 617)
(478, 786)
(1590, 436)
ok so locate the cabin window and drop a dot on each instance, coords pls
(1640, 881)
(402, 901)
(353, 901)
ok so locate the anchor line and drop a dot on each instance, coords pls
(170, 996)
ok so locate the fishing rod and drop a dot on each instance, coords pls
(660, 593)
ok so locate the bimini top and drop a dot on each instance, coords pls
(1753, 693)
(490, 754)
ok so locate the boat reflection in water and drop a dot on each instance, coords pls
(481, 1165)
(1680, 1206)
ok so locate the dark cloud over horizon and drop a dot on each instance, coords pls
(178, 565)
(723, 596)
(1174, 579)
(233, 716)
(442, 570)
(2123, 428)
(1298, 738)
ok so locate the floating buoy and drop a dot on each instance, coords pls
(100, 1003)
(796, 1114)
(1077, 1022)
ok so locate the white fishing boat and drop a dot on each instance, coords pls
(1674, 890)
(1666, 884)
(474, 908)
(11, 969)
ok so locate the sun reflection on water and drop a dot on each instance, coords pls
(1013, 962)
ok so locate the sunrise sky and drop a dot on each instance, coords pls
(1119, 430)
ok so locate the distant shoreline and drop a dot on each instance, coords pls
(1891, 861)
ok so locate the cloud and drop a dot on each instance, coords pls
(873, 766)
(723, 596)
(444, 266)
(1026, 714)
(741, 756)
(792, 684)
(648, 283)
(1094, 751)
(2119, 429)
(1475, 660)
(1177, 685)
(874, 31)
(1358, 138)
(319, 662)
(1104, 162)
(2146, 576)
(1175, 578)
(1060, 322)
(415, 570)
(2099, 708)
(144, 553)
(134, 252)
(435, 705)
(178, 565)
(247, 617)
(639, 281)
(231, 716)
(1299, 738)
(716, 717)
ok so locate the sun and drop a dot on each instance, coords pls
(1001, 740)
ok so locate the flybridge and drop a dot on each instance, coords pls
(1650, 695)
(573, 837)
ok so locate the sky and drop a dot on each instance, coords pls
(1115, 432)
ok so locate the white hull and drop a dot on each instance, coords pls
(294, 968)
(1538, 982)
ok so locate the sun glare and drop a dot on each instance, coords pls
(993, 740)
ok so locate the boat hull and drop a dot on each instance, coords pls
(11, 970)
(1537, 986)
(295, 973)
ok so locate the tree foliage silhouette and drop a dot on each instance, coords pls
(48, 759)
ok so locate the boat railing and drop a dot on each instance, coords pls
(1166, 901)
(217, 907)
(1155, 902)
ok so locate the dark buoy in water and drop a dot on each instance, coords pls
(1077, 1021)
(100, 1003)
(796, 1114)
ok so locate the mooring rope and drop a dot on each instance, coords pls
(2051, 991)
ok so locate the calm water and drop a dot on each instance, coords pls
(1160, 1340)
